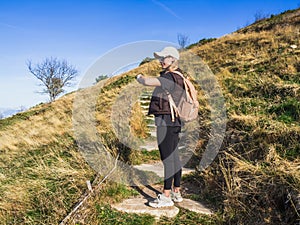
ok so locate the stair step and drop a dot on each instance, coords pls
(145, 102)
(158, 168)
(149, 147)
(152, 133)
(145, 107)
(140, 205)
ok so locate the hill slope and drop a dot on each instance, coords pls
(258, 68)
(255, 178)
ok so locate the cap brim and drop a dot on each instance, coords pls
(158, 55)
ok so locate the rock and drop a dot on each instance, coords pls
(194, 206)
(149, 147)
(158, 168)
(140, 205)
(155, 167)
(152, 133)
(144, 107)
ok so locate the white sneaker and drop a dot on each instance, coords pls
(161, 201)
(176, 196)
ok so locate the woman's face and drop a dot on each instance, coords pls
(166, 61)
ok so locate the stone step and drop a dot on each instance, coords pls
(151, 125)
(140, 204)
(145, 107)
(145, 97)
(149, 147)
(145, 102)
(152, 133)
(153, 146)
(152, 129)
(195, 206)
(158, 168)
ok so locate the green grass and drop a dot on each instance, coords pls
(144, 156)
(119, 83)
(119, 192)
(288, 111)
(106, 215)
(289, 152)
(201, 42)
(150, 155)
(186, 217)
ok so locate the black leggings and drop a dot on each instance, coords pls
(167, 139)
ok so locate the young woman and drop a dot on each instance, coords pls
(168, 128)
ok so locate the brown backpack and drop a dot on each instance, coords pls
(188, 106)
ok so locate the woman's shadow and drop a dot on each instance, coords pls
(145, 194)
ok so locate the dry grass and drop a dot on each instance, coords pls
(255, 179)
(260, 191)
(31, 131)
(42, 173)
(137, 122)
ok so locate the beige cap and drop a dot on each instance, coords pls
(167, 51)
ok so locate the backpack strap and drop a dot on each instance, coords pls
(180, 74)
(185, 81)
(173, 107)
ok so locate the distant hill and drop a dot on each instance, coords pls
(255, 178)
(6, 112)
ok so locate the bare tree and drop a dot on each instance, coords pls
(54, 75)
(183, 40)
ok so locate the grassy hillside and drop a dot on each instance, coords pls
(255, 178)
(257, 173)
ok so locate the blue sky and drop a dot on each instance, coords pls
(82, 31)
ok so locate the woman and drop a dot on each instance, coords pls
(168, 127)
